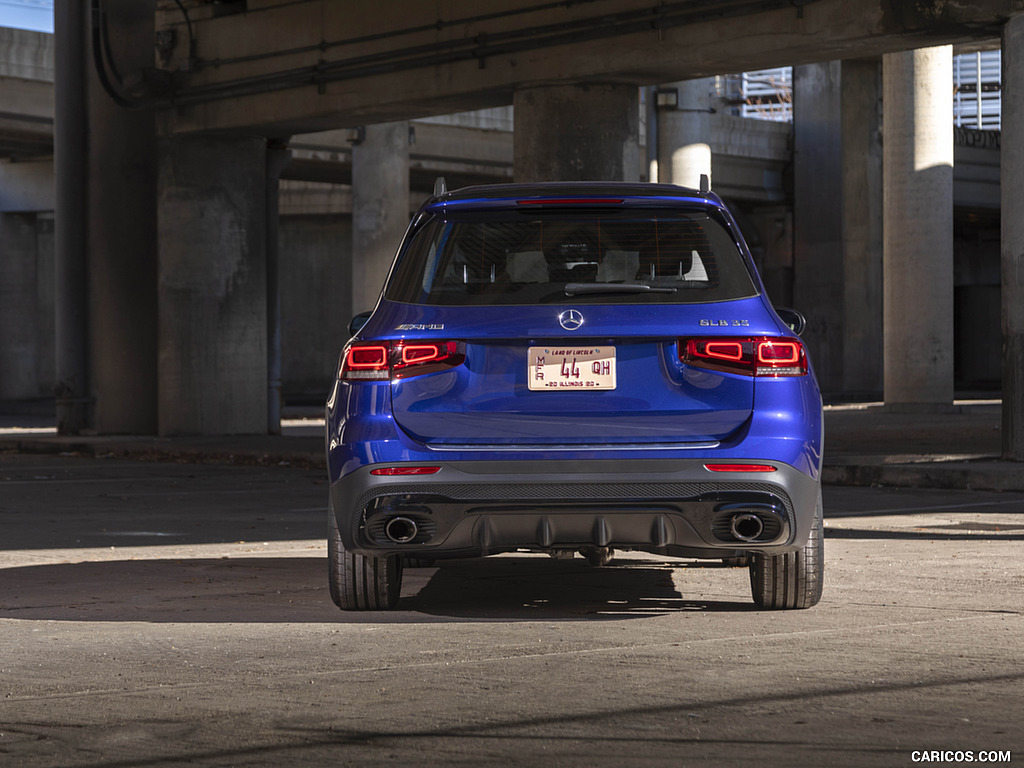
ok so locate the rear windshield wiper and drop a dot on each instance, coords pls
(575, 289)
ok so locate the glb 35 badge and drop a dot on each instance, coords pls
(725, 323)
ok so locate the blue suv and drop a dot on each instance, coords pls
(574, 367)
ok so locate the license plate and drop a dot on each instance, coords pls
(568, 368)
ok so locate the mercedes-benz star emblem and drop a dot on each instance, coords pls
(571, 320)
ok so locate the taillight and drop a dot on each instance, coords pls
(366, 361)
(386, 360)
(752, 356)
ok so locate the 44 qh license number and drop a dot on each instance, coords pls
(565, 368)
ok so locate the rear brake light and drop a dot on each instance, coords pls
(386, 360)
(571, 201)
(749, 355)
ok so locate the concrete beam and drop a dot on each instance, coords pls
(26, 93)
(750, 158)
(463, 155)
(298, 66)
(26, 118)
(27, 55)
(26, 186)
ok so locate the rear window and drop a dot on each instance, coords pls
(549, 257)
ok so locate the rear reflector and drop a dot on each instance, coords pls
(739, 467)
(390, 471)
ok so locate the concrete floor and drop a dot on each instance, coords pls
(156, 614)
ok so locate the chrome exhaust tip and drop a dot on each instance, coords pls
(746, 526)
(401, 530)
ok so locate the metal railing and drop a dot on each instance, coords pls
(764, 94)
(767, 94)
(977, 90)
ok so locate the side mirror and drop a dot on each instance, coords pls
(358, 322)
(794, 318)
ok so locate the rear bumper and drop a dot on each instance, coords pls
(669, 506)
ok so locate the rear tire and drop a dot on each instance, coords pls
(792, 580)
(360, 583)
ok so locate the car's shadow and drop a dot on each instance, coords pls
(294, 589)
(542, 588)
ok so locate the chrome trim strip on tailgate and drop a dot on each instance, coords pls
(520, 448)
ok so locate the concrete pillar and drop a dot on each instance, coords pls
(45, 306)
(1012, 202)
(861, 158)
(212, 283)
(684, 133)
(122, 236)
(26, 306)
(105, 229)
(316, 261)
(277, 158)
(817, 215)
(380, 207)
(70, 148)
(584, 132)
(918, 227)
(19, 342)
(838, 221)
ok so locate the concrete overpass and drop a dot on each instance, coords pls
(285, 68)
(172, 330)
(26, 120)
(26, 75)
